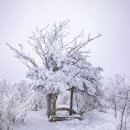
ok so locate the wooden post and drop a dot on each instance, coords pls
(71, 100)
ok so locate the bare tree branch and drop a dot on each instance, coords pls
(44, 39)
(78, 47)
(21, 55)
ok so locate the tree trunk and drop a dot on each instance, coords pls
(71, 100)
(49, 104)
(115, 107)
(54, 98)
(122, 116)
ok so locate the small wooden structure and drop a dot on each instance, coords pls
(51, 108)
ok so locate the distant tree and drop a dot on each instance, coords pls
(64, 64)
(118, 95)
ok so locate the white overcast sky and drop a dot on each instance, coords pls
(18, 19)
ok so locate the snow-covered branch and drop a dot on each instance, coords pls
(22, 56)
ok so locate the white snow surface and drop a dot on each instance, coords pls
(95, 120)
(36, 120)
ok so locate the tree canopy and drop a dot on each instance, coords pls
(64, 65)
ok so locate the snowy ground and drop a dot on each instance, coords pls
(94, 121)
(37, 120)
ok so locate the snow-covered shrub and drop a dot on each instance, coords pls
(15, 100)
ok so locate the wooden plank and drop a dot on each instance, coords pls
(58, 118)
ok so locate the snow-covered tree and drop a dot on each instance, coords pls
(117, 92)
(60, 65)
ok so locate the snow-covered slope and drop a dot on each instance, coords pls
(95, 120)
